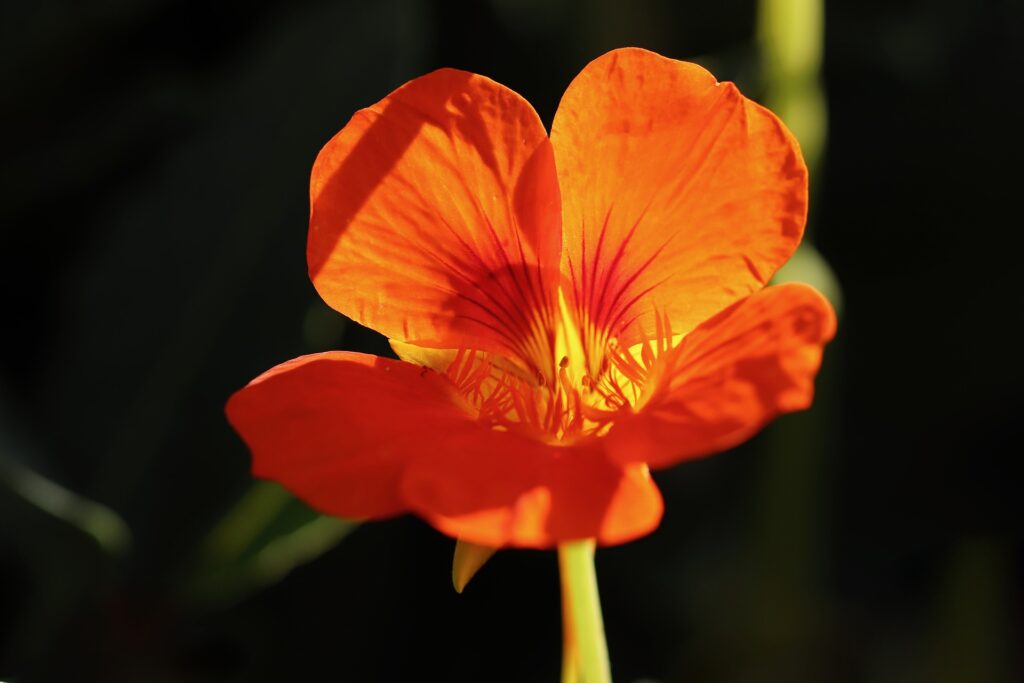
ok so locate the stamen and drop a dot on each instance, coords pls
(578, 401)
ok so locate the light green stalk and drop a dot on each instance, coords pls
(586, 653)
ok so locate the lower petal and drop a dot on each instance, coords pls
(338, 429)
(500, 488)
(366, 437)
(728, 378)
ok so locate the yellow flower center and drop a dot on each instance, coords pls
(591, 380)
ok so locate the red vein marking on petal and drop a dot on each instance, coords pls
(754, 271)
(601, 315)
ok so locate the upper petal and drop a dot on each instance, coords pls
(435, 218)
(679, 194)
(338, 429)
(728, 378)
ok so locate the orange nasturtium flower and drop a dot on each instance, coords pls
(571, 309)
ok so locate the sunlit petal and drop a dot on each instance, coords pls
(679, 195)
(435, 219)
(729, 377)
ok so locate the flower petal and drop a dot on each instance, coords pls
(728, 378)
(435, 219)
(500, 488)
(363, 437)
(338, 429)
(679, 195)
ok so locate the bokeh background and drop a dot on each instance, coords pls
(153, 204)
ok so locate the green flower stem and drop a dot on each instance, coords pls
(586, 650)
(570, 655)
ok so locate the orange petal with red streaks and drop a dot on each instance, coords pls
(728, 378)
(435, 218)
(503, 489)
(679, 194)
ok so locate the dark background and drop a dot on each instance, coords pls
(153, 204)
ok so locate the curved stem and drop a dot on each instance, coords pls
(587, 654)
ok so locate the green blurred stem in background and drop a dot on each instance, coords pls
(791, 34)
(787, 609)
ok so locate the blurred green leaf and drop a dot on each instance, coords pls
(257, 543)
(96, 520)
